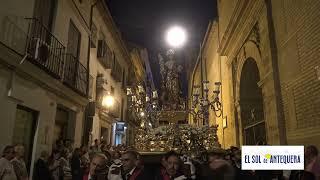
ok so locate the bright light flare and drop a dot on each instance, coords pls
(176, 36)
(107, 101)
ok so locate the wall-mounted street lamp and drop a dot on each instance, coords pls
(107, 101)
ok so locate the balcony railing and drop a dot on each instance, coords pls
(44, 49)
(75, 74)
(28, 36)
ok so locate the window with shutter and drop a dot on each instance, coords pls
(74, 39)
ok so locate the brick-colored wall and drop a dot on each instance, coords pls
(292, 113)
(297, 27)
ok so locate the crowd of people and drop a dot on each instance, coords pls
(105, 162)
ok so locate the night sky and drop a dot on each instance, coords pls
(145, 23)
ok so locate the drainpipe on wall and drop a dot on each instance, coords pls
(87, 118)
(89, 46)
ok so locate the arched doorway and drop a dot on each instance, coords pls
(251, 104)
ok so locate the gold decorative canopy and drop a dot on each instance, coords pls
(185, 139)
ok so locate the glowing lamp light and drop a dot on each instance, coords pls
(176, 36)
(142, 114)
(107, 101)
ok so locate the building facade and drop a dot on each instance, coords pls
(265, 54)
(44, 73)
(109, 63)
(58, 60)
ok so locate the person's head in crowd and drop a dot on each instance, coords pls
(96, 142)
(76, 152)
(129, 160)
(97, 163)
(108, 146)
(102, 147)
(56, 154)
(233, 149)
(65, 153)
(66, 142)
(308, 176)
(236, 158)
(8, 152)
(44, 155)
(108, 155)
(227, 157)
(213, 155)
(103, 142)
(84, 149)
(310, 153)
(139, 162)
(116, 155)
(130, 148)
(69, 144)
(59, 142)
(164, 162)
(221, 170)
(173, 163)
(19, 150)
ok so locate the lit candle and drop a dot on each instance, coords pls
(147, 99)
(154, 94)
(140, 89)
(129, 92)
(134, 98)
(205, 85)
(139, 102)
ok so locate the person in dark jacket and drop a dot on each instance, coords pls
(76, 170)
(172, 168)
(130, 169)
(41, 168)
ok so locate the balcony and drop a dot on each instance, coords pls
(30, 38)
(75, 75)
(44, 49)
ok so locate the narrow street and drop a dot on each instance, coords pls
(164, 90)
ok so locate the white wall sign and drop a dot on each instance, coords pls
(272, 158)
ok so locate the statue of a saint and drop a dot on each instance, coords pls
(171, 88)
(172, 80)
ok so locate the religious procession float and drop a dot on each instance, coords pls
(164, 120)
